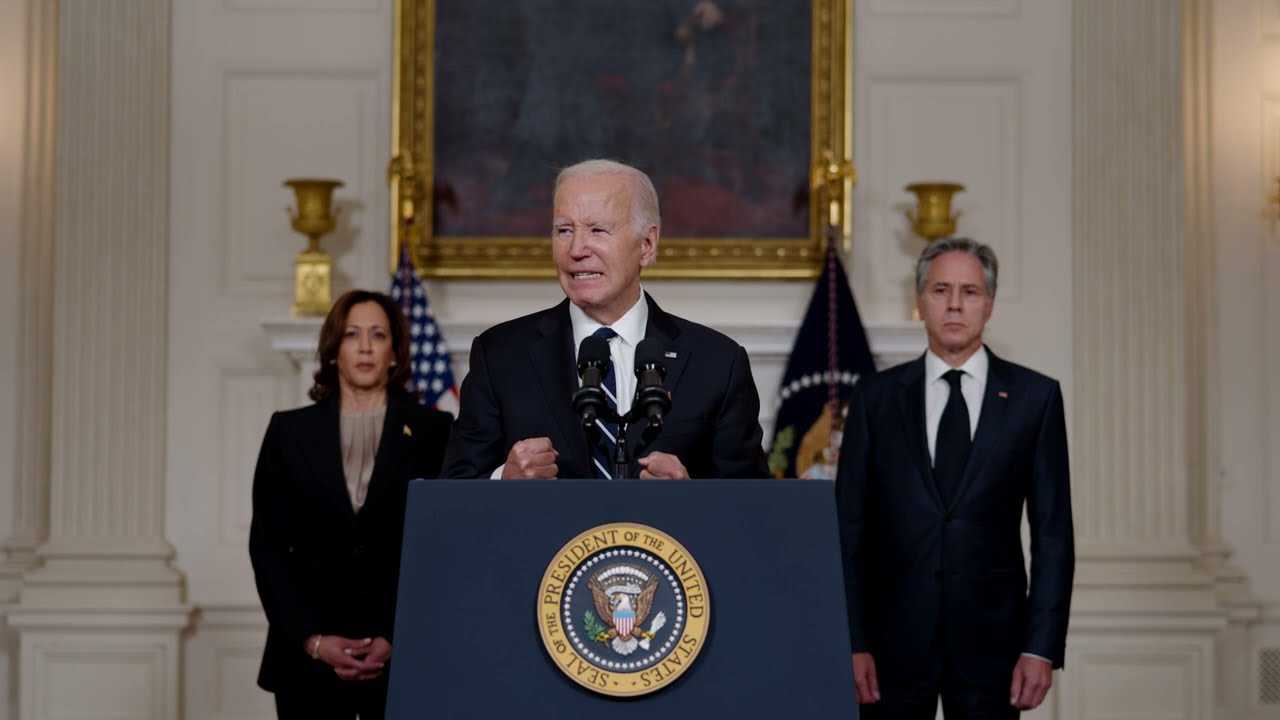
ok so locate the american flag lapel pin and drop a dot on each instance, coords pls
(1003, 395)
(669, 354)
(407, 431)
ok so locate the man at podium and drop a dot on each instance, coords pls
(516, 419)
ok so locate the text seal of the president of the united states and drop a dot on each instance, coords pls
(623, 609)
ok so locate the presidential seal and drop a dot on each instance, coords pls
(623, 609)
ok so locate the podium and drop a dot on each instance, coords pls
(474, 638)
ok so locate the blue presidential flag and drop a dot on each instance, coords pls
(829, 355)
(428, 354)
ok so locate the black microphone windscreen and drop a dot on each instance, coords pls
(593, 350)
(649, 352)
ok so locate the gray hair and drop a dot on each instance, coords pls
(985, 255)
(644, 197)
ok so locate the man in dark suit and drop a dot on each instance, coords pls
(939, 456)
(516, 420)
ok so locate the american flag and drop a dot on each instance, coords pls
(428, 353)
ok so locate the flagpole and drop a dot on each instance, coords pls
(432, 368)
(402, 179)
(406, 253)
(833, 181)
(833, 339)
(830, 351)
(832, 178)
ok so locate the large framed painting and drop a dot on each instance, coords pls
(733, 107)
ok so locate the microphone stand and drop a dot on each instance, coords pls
(649, 403)
(622, 457)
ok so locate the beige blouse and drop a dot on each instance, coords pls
(361, 432)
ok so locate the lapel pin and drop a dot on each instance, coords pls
(407, 431)
(1003, 395)
(669, 354)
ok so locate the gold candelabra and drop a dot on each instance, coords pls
(313, 268)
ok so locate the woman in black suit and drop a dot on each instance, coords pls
(328, 515)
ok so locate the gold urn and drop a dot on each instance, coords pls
(932, 218)
(313, 268)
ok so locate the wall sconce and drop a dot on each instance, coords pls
(932, 219)
(313, 268)
(1273, 207)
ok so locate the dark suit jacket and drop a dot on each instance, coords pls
(523, 374)
(320, 567)
(911, 563)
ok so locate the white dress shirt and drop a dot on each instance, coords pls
(937, 391)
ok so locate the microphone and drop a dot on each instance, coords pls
(590, 401)
(652, 398)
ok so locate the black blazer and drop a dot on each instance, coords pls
(523, 374)
(911, 562)
(320, 567)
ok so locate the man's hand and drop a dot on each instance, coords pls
(531, 459)
(864, 678)
(1032, 678)
(660, 465)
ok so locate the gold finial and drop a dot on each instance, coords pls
(827, 182)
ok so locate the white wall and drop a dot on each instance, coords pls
(13, 67)
(977, 92)
(1246, 136)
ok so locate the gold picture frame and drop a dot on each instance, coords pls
(416, 188)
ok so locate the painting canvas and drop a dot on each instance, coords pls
(724, 103)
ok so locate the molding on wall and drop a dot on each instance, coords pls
(926, 9)
(99, 664)
(1117, 674)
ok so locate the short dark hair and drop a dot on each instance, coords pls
(985, 255)
(335, 325)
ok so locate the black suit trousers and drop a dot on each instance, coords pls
(961, 699)
(340, 700)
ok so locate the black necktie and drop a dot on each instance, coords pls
(951, 450)
(602, 453)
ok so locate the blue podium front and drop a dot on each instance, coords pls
(622, 599)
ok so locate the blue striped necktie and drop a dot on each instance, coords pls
(602, 452)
